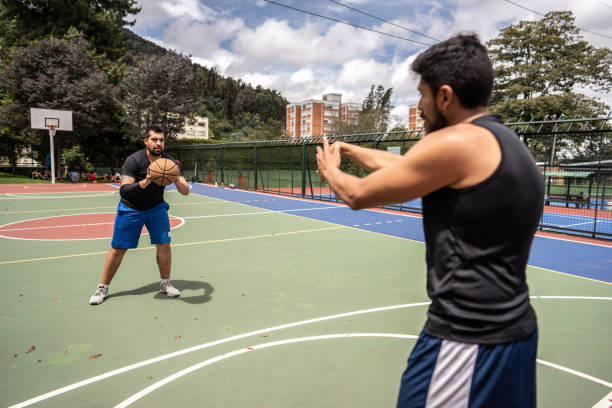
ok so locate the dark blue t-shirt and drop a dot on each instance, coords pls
(136, 166)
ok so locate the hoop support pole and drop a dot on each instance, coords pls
(52, 144)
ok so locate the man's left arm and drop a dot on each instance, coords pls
(430, 164)
(181, 185)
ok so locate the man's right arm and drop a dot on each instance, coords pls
(129, 188)
(370, 159)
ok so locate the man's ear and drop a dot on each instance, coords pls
(445, 98)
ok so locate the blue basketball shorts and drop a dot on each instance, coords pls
(129, 223)
(444, 373)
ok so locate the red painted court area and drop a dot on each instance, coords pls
(67, 227)
(55, 188)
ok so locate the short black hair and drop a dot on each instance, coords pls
(154, 129)
(462, 63)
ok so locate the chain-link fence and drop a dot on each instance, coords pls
(574, 155)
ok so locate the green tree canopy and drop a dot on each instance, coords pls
(58, 74)
(541, 66)
(374, 115)
(101, 21)
(160, 91)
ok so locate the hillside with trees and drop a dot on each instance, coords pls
(78, 55)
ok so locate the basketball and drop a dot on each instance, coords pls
(164, 171)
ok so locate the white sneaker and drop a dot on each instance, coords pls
(169, 289)
(99, 296)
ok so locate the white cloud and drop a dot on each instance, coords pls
(314, 57)
(191, 8)
(256, 78)
(276, 43)
(303, 75)
(360, 72)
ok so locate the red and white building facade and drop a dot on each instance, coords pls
(414, 120)
(313, 117)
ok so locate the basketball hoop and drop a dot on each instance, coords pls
(51, 120)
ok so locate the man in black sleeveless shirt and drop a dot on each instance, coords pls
(482, 199)
(142, 204)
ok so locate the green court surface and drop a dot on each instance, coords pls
(242, 333)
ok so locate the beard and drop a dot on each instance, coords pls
(435, 121)
(155, 153)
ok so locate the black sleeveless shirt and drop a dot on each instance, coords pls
(478, 242)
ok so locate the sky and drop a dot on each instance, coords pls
(304, 56)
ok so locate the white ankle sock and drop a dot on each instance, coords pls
(165, 280)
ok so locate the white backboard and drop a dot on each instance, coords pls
(45, 118)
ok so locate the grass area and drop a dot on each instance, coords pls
(7, 178)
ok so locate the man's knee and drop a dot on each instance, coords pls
(163, 248)
(118, 252)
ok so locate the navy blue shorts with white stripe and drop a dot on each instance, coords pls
(444, 373)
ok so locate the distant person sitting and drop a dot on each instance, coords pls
(75, 176)
(91, 177)
(36, 174)
(115, 177)
(46, 175)
(106, 178)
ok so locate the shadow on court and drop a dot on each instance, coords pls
(203, 291)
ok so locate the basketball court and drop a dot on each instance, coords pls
(284, 303)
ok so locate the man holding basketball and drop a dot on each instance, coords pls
(142, 204)
(482, 199)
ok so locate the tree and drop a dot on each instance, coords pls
(374, 115)
(58, 74)
(540, 66)
(160, 91)
(102, 22)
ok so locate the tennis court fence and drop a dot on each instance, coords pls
(574, 155)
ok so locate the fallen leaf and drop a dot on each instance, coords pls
(93, 356)
(242, 294)
(21, 294)
(89, 257)
(193, 318)
(250, 348)
(65, 351)
(155, 317)
(263, 335)
(177, 337)
(15, 355)
(31, 349)
(150, 377)
(226, 328)
(39, 360)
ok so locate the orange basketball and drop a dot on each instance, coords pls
(164, 171)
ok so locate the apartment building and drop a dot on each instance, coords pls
(414, 120)
(316, 117)
(197, 130)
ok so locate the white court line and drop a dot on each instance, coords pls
(60, 226)
(261, 212)
(575, 372)
(340, 204)
(17, 197)
(572, 297)
(55, 226)
(201, 347)
(129, 401)
(134, 366)
(578, 223)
